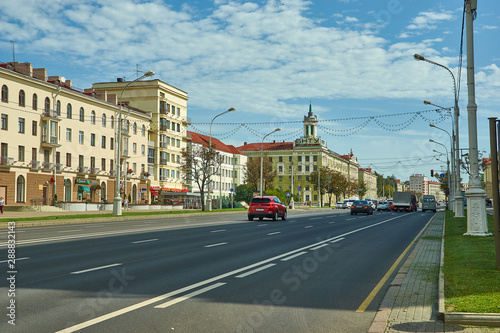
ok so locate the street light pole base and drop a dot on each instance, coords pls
(476, 213)
(117, 206)
(458, 207)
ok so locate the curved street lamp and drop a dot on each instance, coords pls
(117, 200)
(210, 147)
(459, 203)
(453, 172)
(262, 156)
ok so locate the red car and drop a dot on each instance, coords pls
(266, 206)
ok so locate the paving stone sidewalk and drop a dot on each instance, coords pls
(411, 302)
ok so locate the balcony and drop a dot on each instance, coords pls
(163, 161)
(125, 153)
(186, 120)
(94, 171)
(50, 141)
(125, 131)
(151, 160)
(50, 115)
(163, 144)
(83, 169)
(6, 162)
(112, 173)
(35, 165)
(59, 167)
(47, 166)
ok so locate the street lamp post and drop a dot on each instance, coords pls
(262, 156)
(117, 200)
(209, 200)
(459, 202)
(453, 171)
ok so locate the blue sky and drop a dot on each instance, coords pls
(351, 58)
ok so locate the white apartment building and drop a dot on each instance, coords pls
(419, 184)
(59, 141)
(231, 173)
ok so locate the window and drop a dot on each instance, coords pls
(103, 164)
(47, 104)
(68, 134)
(111, 166)
(280, 158)
(173, 109)
(21, 189)
(34, 127)
(111, 143)
(307, 178)
(112, 122)
(58, 108)
(172, 174)
(143, 150)
(22, 98)
(69, 111)
(68, 159)
(103, 142)
(178, 143)
(92, 139)
(80, 160)
(20, 154)
(299, 158)
(34, 154)
(21, 125)
(143, 130)
(80, 137)
(299, 178)
(34, 102)
(178, 111)
(5, 94)
(178, 127)
(92, 117)
(82, 114)
(134, 148)
(307, 158)
(315, 158)
(134, 128)
(307, 168)
(299, 168)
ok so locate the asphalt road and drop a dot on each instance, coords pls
(222, 273)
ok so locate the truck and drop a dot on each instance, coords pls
(404, 201)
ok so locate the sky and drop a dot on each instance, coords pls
(352, 60)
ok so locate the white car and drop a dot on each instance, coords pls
(339, 205)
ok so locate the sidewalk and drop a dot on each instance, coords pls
(411, 302)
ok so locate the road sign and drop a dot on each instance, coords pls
(288, 194)
(231, 189)
(441, 175)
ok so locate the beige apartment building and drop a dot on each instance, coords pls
(167, 133)
(370, 179)
(419, 184)
(58, 141)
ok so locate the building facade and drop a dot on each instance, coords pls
(295, 161)
(419, 184)
(59, 142)
(370, 179)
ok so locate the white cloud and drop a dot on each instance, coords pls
(428, 20)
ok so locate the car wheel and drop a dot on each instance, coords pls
(261, 218)
(352, 213)
(284, 215)
(275, 216)
(250, 218)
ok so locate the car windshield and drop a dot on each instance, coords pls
(360, 202)
(261, 200)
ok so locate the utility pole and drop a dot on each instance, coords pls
(476, 212)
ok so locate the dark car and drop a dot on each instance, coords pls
(266, 206)
(361, 206)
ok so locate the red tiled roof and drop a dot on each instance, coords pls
(216, 143)
(267, 146)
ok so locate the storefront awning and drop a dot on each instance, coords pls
(83, 189)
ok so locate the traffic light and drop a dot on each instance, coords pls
(432, 173)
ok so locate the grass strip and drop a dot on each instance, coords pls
(472, 283)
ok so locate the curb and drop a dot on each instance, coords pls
(462, 318)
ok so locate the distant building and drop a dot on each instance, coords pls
(370, 179)
(436, 190)
(419, 184)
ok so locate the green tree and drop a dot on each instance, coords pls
(243, 193)
(278, 193)
(324, 180)
(252, 174)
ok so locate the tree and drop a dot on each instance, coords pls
(278, 193)
(362, 188)
(324, 174)
(198, 165)
(243, 193)
(253, 173)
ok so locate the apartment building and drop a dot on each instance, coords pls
(58, 141)
(370, 180)
(419, 184)
(167, 134)
(294, 161)
(231, 172)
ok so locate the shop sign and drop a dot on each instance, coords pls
(82, 181)
(144, 189)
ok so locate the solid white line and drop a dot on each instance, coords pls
(331, 222)
(69, 230)
(326, 244)
(254, 271)
(274, 233)
(351, 219)
(337, 240)
(216, 278)
(308, 226)
(188, 296)
(218, 244)
(316, 218)
(220, 230)
(146, 240)
(95, 268)
(261, 225)
(293, 256)
(17, 259)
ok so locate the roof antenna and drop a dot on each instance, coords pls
(13, 51)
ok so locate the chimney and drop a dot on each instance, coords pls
(68, 83)
(112, 99)
(25, 68)
(274, 141)
(244, 143)
(101, 94)
(40, 73)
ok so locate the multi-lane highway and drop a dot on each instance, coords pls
(310, 273)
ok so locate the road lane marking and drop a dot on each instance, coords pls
(351, 219)
(145, 241)
(220, 230)
(294, 256)
(308, 226)
(218, 244)
(188, 296)
(331, 222)
(17, 259)
(274, 233)
(69, 230)
(254, 271)
(337, 240)
(379, 285)
(96, 268)
(139, 305)
(261, 225)
(315, 218)
(326, 244)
